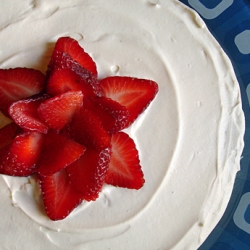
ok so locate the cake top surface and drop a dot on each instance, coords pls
(190, 139)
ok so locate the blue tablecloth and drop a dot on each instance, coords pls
(229, 22)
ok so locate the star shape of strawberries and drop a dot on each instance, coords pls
(65, 127)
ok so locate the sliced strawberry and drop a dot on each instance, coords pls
(88, 174)
(58, 111)
(113, 116)
(59, 197)
(71, 47)
(24, 113)
(87, 129)
(19, 83)
(124, 168)
(57, 152)
(65, 74)
(20, 159)
(133, 93)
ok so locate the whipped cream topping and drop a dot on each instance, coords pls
(190, 139)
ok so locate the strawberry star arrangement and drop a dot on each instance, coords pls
(65, 127)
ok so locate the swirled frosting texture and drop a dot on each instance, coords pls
(190, 138)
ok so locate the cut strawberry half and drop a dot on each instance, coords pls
(88, 174)
(133, 93)
(113, 116)
(59, 196)
(58, 111)
(124, 168)
(21, 157)
(18, 83)
(57, 153)
(86, 128)
(71, 47)
(24, 113)
(62, 80)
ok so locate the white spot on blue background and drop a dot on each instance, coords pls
(209, 13)
(239, 215)
(242, 42)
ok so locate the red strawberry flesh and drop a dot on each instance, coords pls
(24, 113)
(124, 168)
(71, 47)
(59, 196)
(133, 93)
(21, 157)
(65, 74)
(86, 128)
(7, 134)
(19, 83)
(58, 111)
(57, 152)
(113, 116)
(88, 174)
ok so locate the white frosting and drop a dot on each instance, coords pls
(190, 139)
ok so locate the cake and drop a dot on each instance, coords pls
(190, 138)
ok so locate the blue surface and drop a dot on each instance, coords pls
(229, 22)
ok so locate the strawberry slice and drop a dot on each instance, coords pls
(20, 159)
(88, 174)
(124, 168)
(113, 116)
(62, 80)
(71, 47)
(86, 128)
(19, 83)
(133, 93)
(24, 113)
(57, 152)
(59, 197)
(58, 111)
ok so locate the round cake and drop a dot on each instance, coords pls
(189, 139)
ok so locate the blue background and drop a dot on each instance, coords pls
(229, 22)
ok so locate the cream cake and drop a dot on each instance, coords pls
(190, 138)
